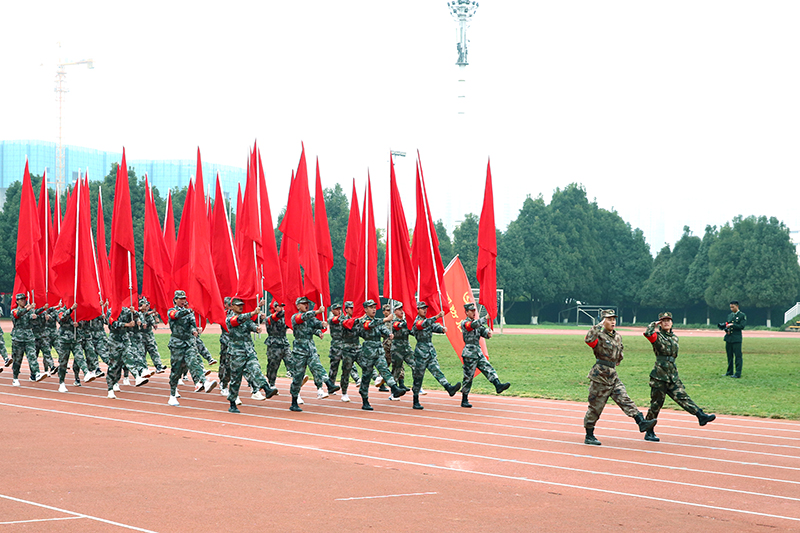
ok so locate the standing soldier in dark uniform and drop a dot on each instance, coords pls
(278, 348)
(304, 325)
(24, 316)
(242, 353)
(664, 378)
(603, 379)
(150, 320)
(472, 356)
(42, 342)
(733, 327)
(425, 357)
(401, 349)
(67, 342)
(183, 348)
(373, 354)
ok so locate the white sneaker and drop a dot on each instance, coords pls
(111, 395)
(126, 381)
(321, 394)
(223, 392)
(147, 373)
(378, 381)
(198, 386)
(209, 385)
(15, 383)
(173, 401)
(116, 387)
(177, 394)
(345, 398)
(423, 391)
(41, 375)
(180, 382)
(141, 380)
(238, 401)
(88, 378)
(392, 398)
(62, 387)
(300, 400)
(288, 374)
(257, 396)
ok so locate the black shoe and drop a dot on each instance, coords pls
(500, 387)
(383, 388)
(8, 362)
(728, 374)
(268, 391)
(294, 406)
(233, 408)
(398, 391)
(99, 373)
(332, 387)
(736, 376)
(644, 425)
(590, 438)
(651, 436)
(704, 418)
(366, 406)
(453, 389)
(402, 385)
(465, 400)
(416, 402)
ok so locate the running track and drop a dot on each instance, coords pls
(81, 462)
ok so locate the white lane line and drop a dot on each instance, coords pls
(349, 454)
(384, 496)
(41, 520)
(428, 450)
(532, 450)
(77, 515)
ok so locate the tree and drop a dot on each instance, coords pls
(445, 245)
(700, 271)
(465, 245)
(666, 286)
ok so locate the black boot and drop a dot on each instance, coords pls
(384, 388)
(416, 402)
(398, 391)
(402, 385)
(465, 400)
(233, 408)
(269, 392)
(590, 438)
(452, 389)
(651, 436)
(294, 406)
(644, 425)
(365, 404)
(500, 387)
(332, 387)
(704, 418)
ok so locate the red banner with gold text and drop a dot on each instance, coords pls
(458, 294)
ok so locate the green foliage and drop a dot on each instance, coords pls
(445, 245)
(666, 286)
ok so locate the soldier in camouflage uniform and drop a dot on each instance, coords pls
(278, 348)
(150, 320)
(224, 372)
(51, 331)
(304, 352)
(387, 350)
(401, 349)
(351, 346)
(121, 352)
(202, 350)
(335, 354)
(242, 352)
(6, 359)
(472, 357)
(97, 327)
(23, 342)
(373, 354)
(42, 342)
(603, 379)
(183, 348)
(664, 378)
(67, 342)
(86, 340)
(425, 357)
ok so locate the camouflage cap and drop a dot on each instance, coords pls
(336, 306)
(237, 301)
(21, 296)
(143, 301)
(302, 300)
(369, 303)
(665, 314)
(398, 305)
(386, 307)
(608, 313)
(422, 305)
(227, 300)
(179, 294)
(469, 306)
(348, 305)
(276, 304)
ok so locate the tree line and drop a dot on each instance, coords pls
(550, 257)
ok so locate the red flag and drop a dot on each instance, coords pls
(74, 260)
(28, 259)
(351, 280)
(399, 276)
(323, 235)
(270, 266)
(102, 252)
(367, 264)
(487, 251)
(180, 271)
(290, 269)
(425, 252)
(222, 252)
(457, 283)
(124, 284)
(248, 241)
(57, 216)
(157, 271)
(169, 227)
(46, 242)
(239, 203)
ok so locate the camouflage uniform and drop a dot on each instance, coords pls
(224, 372)
(86, 341)
(242, 353)
(183, 347)
(4, 352)
(67, 342)
(202, 350)
(51, 328)
(120, 350)
(99, 337)
(42, 342)
(23, 340)
(135, 335)
(351, 348)
(425, 357)
(472, 356)
(335, 354)
(401, 350)
(304, 351)
(664, 378)
(373, 354)
(604, 381)
(735, 323)
(277, 346)
(149, 346)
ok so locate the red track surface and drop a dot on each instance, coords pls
(508, 464)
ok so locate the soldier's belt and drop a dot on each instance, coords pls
(182, 337)
(665, 359)
(603, 362)
(471, 344)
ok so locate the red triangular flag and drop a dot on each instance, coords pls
(124, 285)
(46, 242)
(323, 236)
(351, 246)
(270, 266)
(103, 268)
(425, 252)
(487, 250)
(157, 271)
(222, 252)
(169, 227)
(28, 259)
(400, 280)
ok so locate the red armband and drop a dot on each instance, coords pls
(366, 325)
(652, 338)
(468, 326)
(593, 343)
(297, 318)
(420, 324)
(235, 321)
(396, 326)
(173, 314)
(335, 320)
(254, 317)
(15, 313)
(349, 323)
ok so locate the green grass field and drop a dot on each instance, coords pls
(555, 366)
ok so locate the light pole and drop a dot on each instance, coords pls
(462, 11)
(60, 90)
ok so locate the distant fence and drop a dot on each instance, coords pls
(791, 313)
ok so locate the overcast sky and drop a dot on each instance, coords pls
(673, 113)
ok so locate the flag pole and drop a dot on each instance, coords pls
(366, 241)
(77, 240)
(46, 241)
(94, 257)
(389, 236)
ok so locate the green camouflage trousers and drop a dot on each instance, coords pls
(304, 354)
(373, 356)
(473, 358)
(335, 355)
(401, 353)
(64, 346)
(599, 392)
(349, 357)
(87, 343)
(100, 343)
(4, 352)
(149, 346)
(224, 372)
(659, 390)
(121, 354)
(202, 350)
(183, 354)
(277, 351)
(43, 345)
(244, 362)
(28, 348)
(425, 359)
